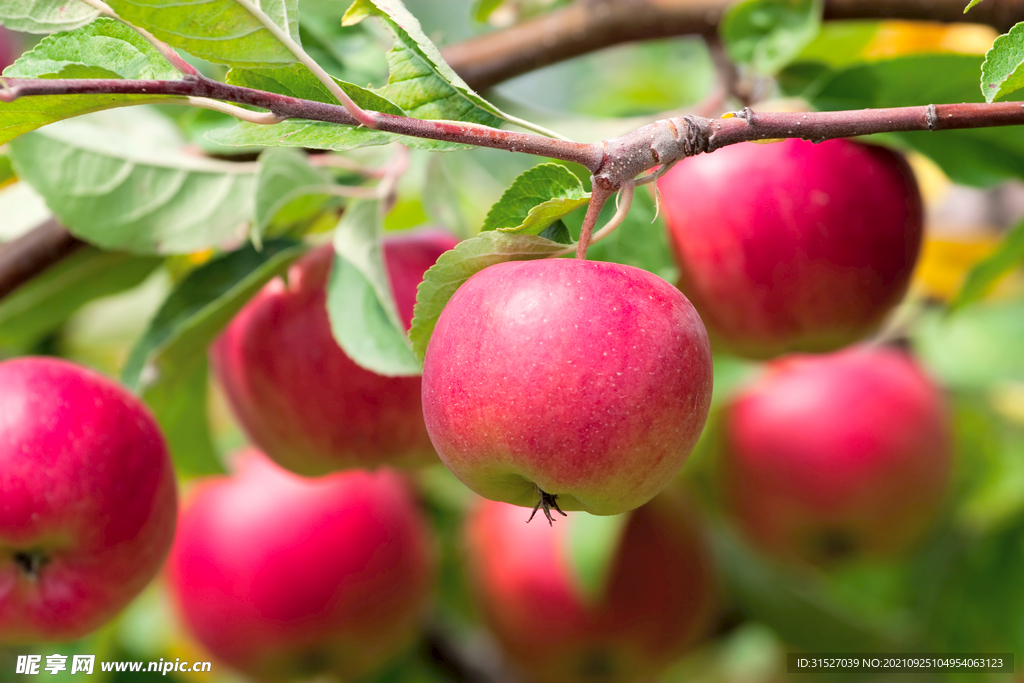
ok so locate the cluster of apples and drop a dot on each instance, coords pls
(559, 384)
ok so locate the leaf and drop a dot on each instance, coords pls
(1002, 72)
(768, 34)
(220, 31)
(43, 303)
(981, 157)
(537, 199)
(298, 81)
(971, 4)
(1007, 256)
(288, 191)
(459, 264)
(104, 49)
(483, 9)
(7, 175)
(165, 365)
(360, 304)
(121, 181)
(420, 81)
(594, 542)
(976, 348)
(180, 409)
(45, 16)
(795, 605)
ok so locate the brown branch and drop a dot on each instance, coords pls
(589, 25)
(34, 252)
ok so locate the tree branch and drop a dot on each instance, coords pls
(589, 25)
(34, 252)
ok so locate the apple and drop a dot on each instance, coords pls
(793, 246)
(837, 456)
(572, 384)
(298, 396)
(88, 500)
(660, 598)
(10, 48)
(283, 577)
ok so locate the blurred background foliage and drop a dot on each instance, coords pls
(961, 592)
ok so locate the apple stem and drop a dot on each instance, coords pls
(602, 190)
(546, 501)
(31, 563)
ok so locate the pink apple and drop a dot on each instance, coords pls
(659, 600)
(587, 381)
(793, 246)
(10, 48)
(298, 396)
(87, 500)
(840, 455)
(284, 577)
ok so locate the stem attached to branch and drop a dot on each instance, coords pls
(599, 196)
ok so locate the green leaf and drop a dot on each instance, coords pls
(982, 156)
(980, 602)
(977, 347)
(768, 34)
(796, 605)
(289, 192)
(557, 232)
(459, 264)
(594, 543)
(1007, 256)
(971, 4)
(106, 48)
(7, 175)
(42, 304)
(483, 9)
(360, 304)
(1002, 72)
(420, 81)
(121, 180)
(45, 16)
(103, 49)
(298, 81)
(168, 363)
(537, 199)
(180, 409)
(230, 32)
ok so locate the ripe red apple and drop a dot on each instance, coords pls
(660, 596)
(10, 48)
(585, 381)
(284, 577)
(299, 397)
(793, 246)
(87, 500)
(834, 456)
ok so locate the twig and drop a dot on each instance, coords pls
(262, 118)
(599, 196)
(625, 200)
(32, 253)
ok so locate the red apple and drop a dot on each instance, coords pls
(793, 246)
(87, 500)
(660, 596)
(284, 577)
(586, 381)
(298, 396)
(10, 48)
(835, 456)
